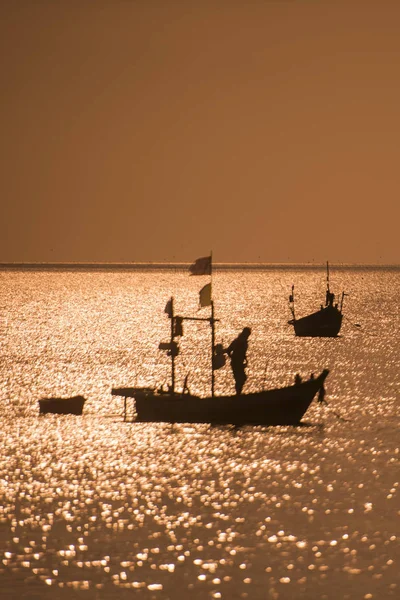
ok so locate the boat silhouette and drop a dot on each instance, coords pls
(62, 406)
(326, 322)
(280, 406)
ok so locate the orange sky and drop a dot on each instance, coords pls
(158, 130)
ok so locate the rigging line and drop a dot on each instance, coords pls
(358, 327)
(327, 405)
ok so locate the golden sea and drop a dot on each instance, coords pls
(95, 508)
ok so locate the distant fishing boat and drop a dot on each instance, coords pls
(62, 406)
(325, 322)
(280, 406)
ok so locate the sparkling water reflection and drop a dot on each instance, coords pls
(95, 508)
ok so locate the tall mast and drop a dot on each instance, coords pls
(172, 347)
(327, 276)
(212, 322)
(291, 302)
(328, 299)
(203, 266)
(212, 332)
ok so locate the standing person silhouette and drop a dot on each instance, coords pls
(237, 353)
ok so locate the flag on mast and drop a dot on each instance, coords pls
(201, 266)
(205, 295)
(168, 309)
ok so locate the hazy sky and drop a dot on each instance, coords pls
(158, 130)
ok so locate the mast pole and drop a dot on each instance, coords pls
(327, 276)
(212, 348)
(212, 331)
(172, 348)
(341, 304)
(291, 301)
(328, 292)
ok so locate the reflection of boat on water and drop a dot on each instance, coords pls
(62, 406)
(281, 406)
(325, 322)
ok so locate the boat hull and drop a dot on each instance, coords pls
(282, 406)
(323, 323)
(62, 406)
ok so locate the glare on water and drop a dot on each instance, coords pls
(99, 508)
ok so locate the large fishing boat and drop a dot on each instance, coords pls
(326, 322)
(280, 406)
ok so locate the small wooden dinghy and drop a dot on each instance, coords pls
(62, 406)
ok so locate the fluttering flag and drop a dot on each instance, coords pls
(201, 266)
(168, 309)
(205, 295)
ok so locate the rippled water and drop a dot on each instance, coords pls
(91, 507)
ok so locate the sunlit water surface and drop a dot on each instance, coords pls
(94, 508)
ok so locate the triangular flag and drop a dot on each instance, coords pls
(168, 309)
(205, 295)
(201, 266)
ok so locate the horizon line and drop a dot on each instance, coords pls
(184, 265)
